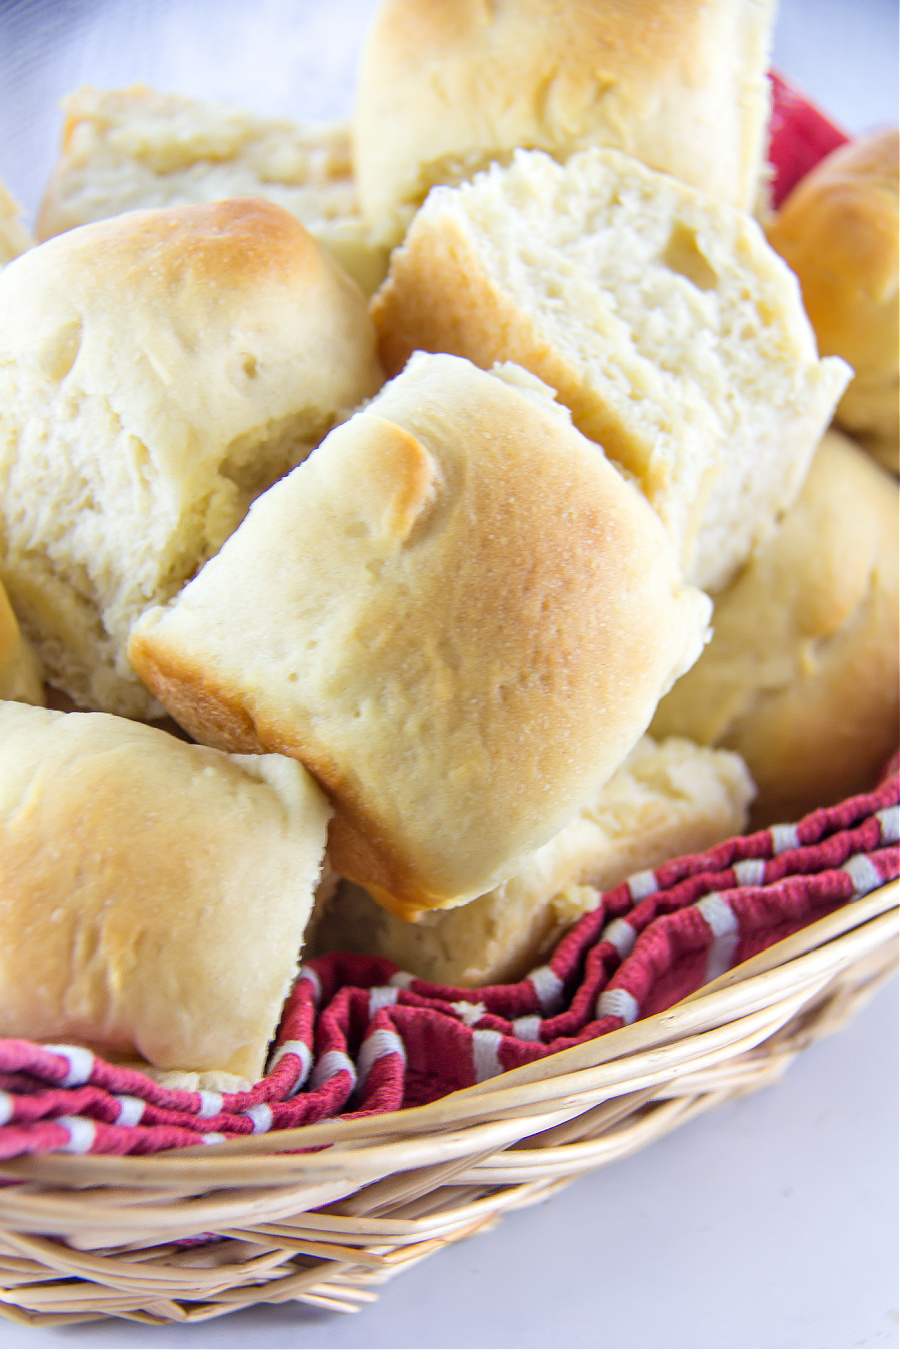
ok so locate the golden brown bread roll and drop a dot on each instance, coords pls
(155, 893)
(838, 230)
(446, 88)
(666, 800)
(132, 149)
(663, 319)
(157, 372)
(456, 613)
(801, 675)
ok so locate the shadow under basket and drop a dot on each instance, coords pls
(190, 1234)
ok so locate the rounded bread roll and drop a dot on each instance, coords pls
(155, 893)
(663, 319)
(157, 372)
(132, 149)
(446, 88)
(456, 613)
(801, 675)
(838, 230)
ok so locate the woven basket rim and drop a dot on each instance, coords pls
(191, 1234)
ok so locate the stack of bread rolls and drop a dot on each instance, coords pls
(157, 372)
(435, 616)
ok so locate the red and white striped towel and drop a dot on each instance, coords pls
(360, 1036)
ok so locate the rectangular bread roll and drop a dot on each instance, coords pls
(447, 88)
(157, 372)
(456, 613)
(661, 317)
(135, 149)
(155, 893)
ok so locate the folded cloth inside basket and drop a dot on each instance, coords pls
(359, 1036)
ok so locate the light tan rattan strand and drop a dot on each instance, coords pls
(325, 1227)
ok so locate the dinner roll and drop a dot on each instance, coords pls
(157, 372)
(14, 237)
(129, 149)
(801, 676)
(21, 676)
(155, 893)
(665, 800)
(444, 89)
(838, 231)
(664, 320)
(456, 613)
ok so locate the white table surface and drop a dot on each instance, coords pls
(769, 1223)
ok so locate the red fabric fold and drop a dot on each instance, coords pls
(359, 1036)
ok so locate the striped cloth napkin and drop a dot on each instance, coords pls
(359, 1036)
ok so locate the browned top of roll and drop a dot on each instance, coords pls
(446, 88)
(457, 614)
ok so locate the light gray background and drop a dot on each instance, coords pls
(769, 1223)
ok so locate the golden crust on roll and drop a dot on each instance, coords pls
(665, 800)
(662, 318)
(447, 88)
(155, 893)
(838, 230)
(801, 675)
(157, 372)
(134, 149)
(456, 613)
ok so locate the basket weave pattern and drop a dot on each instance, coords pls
(190, 1234)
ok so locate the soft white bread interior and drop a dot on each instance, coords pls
(445, 89)
(21, 676)
(157, 372)
(663, 319)
(15, 237)
(801, 676)
(155, 893)
(132, 149)
(456, 613)
(666, 800)
(838, 230)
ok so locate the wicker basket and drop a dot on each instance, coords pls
(366, 1198)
